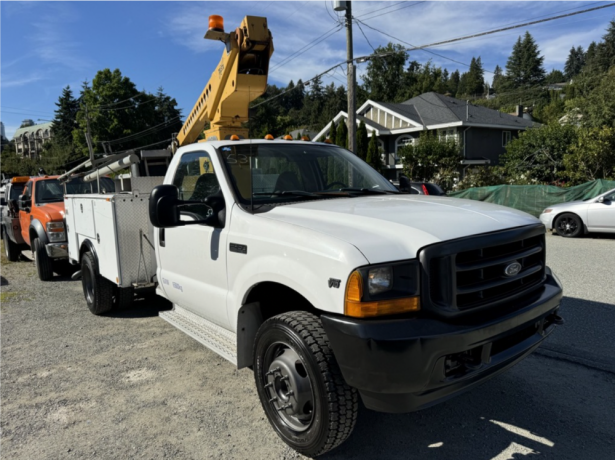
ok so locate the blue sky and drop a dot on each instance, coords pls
(46, 46)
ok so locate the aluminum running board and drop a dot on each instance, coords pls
(211, 335)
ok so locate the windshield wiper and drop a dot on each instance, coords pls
(367, 191)
(288, 193)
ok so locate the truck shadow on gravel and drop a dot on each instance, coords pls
(142, 307)
(508, 417)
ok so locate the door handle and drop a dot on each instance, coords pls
(161, 237)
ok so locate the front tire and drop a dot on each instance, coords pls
(44, 267)
(98, 291)
(569, 226)
(11, 249)
(300, 385)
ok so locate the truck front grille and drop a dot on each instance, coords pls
(483, 271)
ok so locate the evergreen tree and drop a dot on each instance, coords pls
(555, 76)
(65, 120)
(472, 82)
(341, 136)
(607, 55)
(575, 62)
(497, 78)
(332, 131)
(453, 83)
(373, 155)
(524, 67)
(590, 56)
(384, 76)
(362, 141)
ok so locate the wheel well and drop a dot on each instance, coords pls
(262, 302)
(85, 247)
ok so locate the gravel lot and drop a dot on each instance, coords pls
(74, 385)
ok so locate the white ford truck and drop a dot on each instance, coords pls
(300, 261)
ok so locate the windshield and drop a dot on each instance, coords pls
(610, 196)
(269, 174)
(16, 190)
(52, 191)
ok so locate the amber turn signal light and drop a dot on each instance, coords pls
(353, 306)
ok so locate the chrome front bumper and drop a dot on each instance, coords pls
(57, 250)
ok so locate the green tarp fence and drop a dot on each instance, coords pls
(534, 198)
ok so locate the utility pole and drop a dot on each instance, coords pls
(352, 102)
(88, 134)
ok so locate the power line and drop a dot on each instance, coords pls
(425, 50)
(502, 29)
(365, 36)
(392, 11)
(380, 9)
(144, 132)
(307, 47)
(416, 48)
(332, 16)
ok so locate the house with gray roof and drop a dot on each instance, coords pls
(29, 140)
(481, 133)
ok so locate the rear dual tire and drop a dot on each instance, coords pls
(101, 295)
(11, 249)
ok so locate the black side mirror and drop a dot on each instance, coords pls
(164, 208)
(25, 202)
(404, 184)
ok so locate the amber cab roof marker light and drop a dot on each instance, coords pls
(269, 137)
(288, 137)
(328, 141)
(234, 137)
(20, 179)
(305, 138)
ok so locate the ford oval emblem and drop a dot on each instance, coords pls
(512, 269)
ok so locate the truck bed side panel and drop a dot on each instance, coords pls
(134, 235)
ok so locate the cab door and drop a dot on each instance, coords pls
(192, 259)
(24, 217)
(601, 216)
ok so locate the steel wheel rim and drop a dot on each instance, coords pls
(288, 387)
(88, 286)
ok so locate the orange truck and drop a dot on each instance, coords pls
(42, 223)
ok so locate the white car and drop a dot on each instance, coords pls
(576, 218)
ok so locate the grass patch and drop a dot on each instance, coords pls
(7, 295)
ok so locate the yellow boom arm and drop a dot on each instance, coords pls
(240, 77)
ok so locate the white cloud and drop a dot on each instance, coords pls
(14, 82)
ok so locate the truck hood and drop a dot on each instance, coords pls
(390, 227)
(53, 211)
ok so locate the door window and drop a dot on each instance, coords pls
(196, 180)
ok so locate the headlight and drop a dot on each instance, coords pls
(55, 231)
(547, 210)
(383, 290)
(380, 280)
